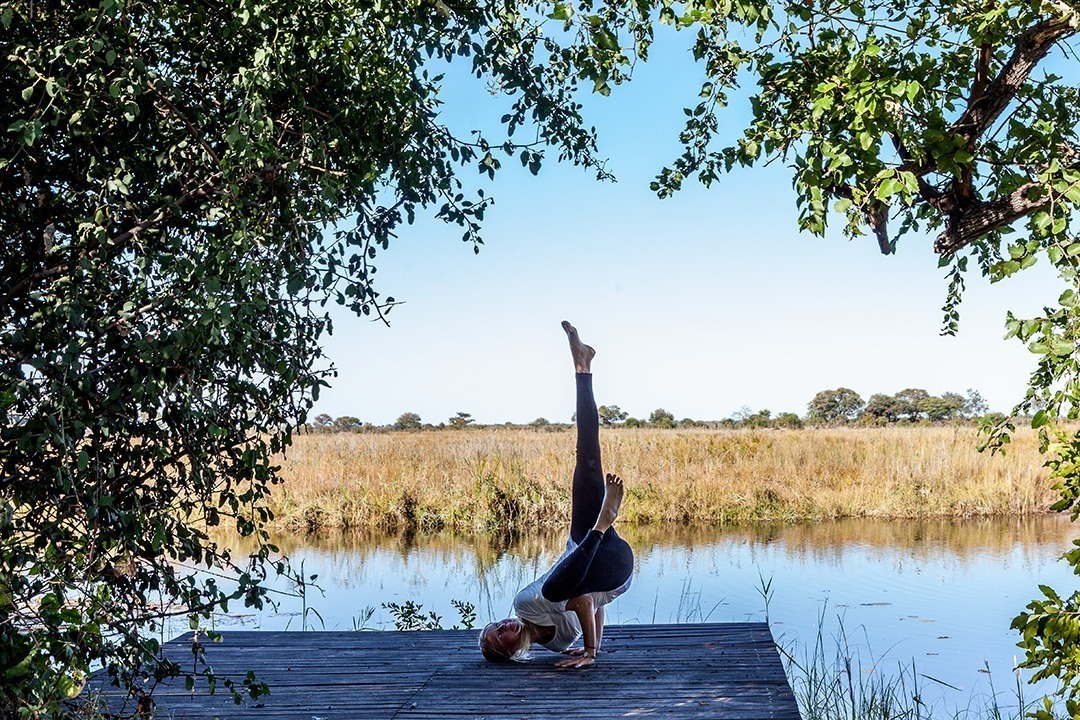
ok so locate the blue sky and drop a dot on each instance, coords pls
(700, 304)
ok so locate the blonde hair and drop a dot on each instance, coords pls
(494, 653)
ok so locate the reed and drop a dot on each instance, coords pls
(508, 479)
(834, 678)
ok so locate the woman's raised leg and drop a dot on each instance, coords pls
(602, 560)
(587, 494)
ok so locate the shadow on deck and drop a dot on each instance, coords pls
(718, 670)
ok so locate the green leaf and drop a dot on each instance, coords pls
(606, 40)
(562, 11)
(888, 188)
(1063, 348)
(1039, 420)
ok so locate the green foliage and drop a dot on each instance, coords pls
(407, 421)
(170, 171)
(788, 420)
(410, 615)
(184, 187)
(459, 420)
(908, 402)
(759, 419)
(661, 418)
(915, 404)
(610, 414)
(938, 408)
(883, 407)
(831, 406)
(974, 404)
(347, 423)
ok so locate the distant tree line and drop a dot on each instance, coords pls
(842, 406)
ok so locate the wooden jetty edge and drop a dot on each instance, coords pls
(717, 670)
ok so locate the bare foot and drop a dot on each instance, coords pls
(613, 495)
(582, 353)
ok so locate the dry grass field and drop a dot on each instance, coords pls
(484, 479)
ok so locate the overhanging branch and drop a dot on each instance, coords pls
(976, 217)
(986, 107)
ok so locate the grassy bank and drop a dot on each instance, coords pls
(489, 479)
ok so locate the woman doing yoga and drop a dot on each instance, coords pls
(568, 600)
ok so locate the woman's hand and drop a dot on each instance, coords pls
(583, 660)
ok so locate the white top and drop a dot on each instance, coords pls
(530, 604)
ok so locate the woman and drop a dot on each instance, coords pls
(568, 600)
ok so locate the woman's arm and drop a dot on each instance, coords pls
(582, 606)
(599, 619)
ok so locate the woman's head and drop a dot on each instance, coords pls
(504, 640)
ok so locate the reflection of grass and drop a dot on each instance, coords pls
(514, 479)
(833, 681)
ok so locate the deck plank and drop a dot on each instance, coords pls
(721, 671)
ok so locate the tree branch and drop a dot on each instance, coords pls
(985, 107)
(977, 217)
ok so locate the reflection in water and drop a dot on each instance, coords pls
(939, 592)
(960, 539)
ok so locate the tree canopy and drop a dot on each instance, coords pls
(610, 414)
(183, 188)
(834, 405)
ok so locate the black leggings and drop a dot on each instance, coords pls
(601, 561)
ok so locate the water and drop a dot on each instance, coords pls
(939, 594)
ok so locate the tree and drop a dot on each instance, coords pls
(909, 400)
(788, 420)
(170, 169)
(347, 423)
(913, 116)
(760, 419)
(974, 404)
(936, 408)
(540, 422)
(830, 406)
(183, 188)
(610, 414)
(883, 408)
(322, 421)
(407, 421)
(461, 419)
(956, 403)
(661, 418)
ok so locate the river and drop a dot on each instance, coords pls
(936, 596)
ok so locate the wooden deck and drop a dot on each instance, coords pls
(728, 670)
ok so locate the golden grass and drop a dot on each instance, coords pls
(486, 479)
